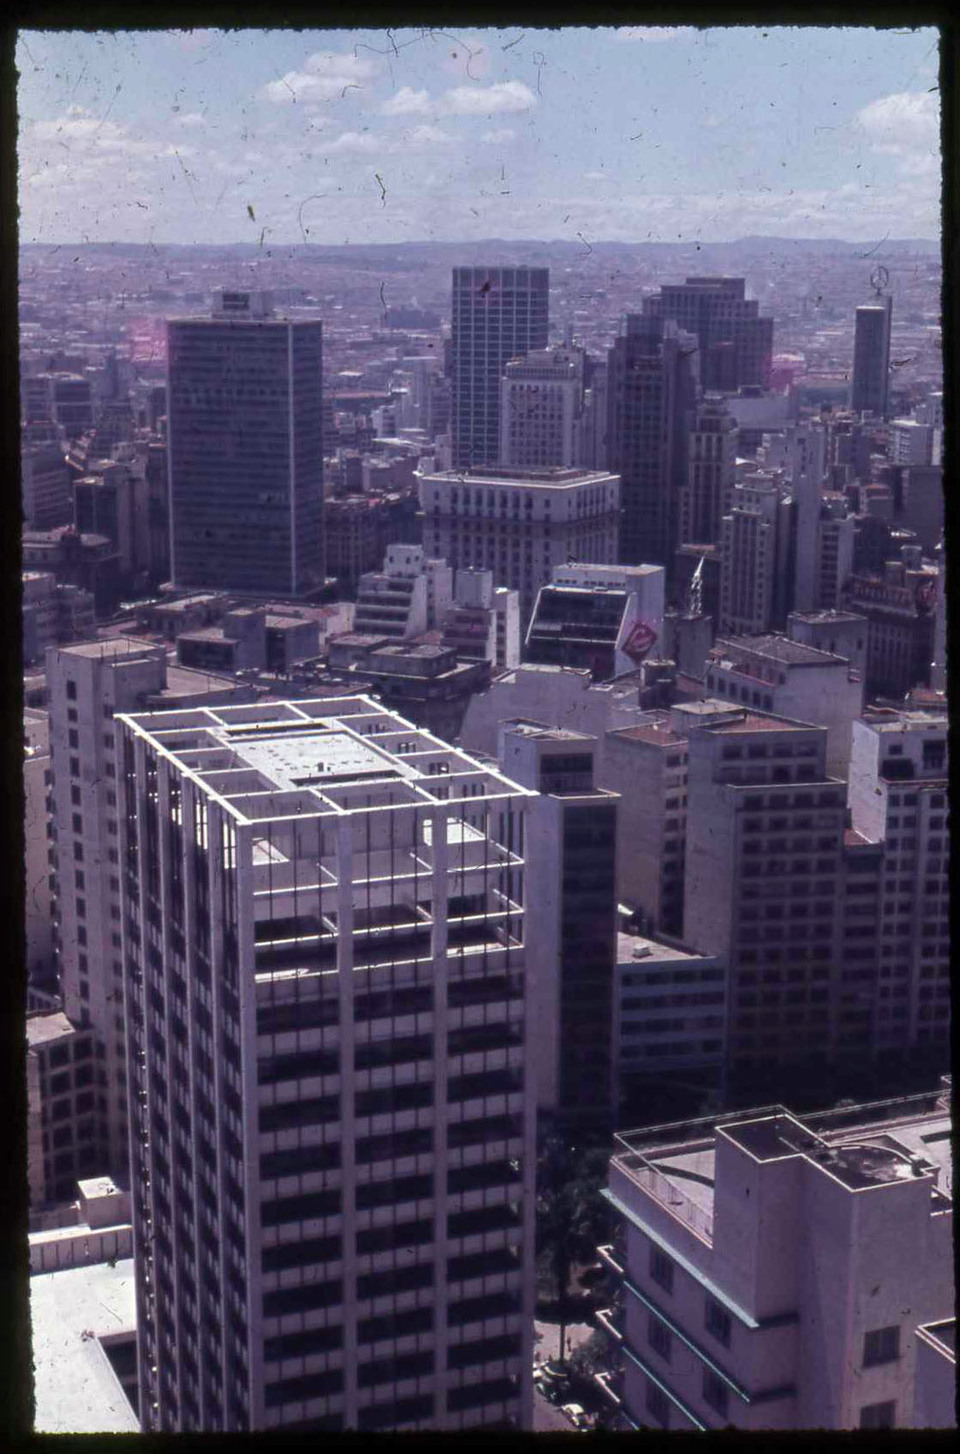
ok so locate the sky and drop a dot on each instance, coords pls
(334, 136)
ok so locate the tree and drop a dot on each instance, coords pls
(572, 1217)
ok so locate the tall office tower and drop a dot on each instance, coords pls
(705, 494)
(805, 455)
(765, 826)
(651, 392)
(86, 684)
(541, 407)
(898, 797)
(835, 542)
(520, 524)
(245, 449)
(498, 314)
(570, 888)
(871, 357)
(776, 1271)
(736, 344)
(755, 558)
(329, 1051)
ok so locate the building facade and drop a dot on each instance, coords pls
(328, 1047)
(245, 449)
(570, 906)
(651, 386)
(541, 404)
(871, 358)
(498, 314)
(774, 1270)
(735, 343)
(521, 524)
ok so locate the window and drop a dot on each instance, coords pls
(878, 1416)
(71, 691)
(715, 1392)
(658, 1335)
(658, 1405)
(661, 1269)
(882, 1345)
(718, 1322)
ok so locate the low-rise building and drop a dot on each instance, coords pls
(605, 618)
(774, 1269)
(671, 1007)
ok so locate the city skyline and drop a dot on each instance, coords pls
(283, 137)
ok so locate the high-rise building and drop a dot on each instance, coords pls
(764, 841)
(520, 524)
(46, 487)
(331, 1078)
(651, 386)
(86, 684)
(871, 357)
(570, 904)
(245, 450)
(705, 495)
(541, 404)
(735, 343)
(898, 797)
(774, 1269)
(755, 557)
(498, 314)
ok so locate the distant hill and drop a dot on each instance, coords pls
(555, 247)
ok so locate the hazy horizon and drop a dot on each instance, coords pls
(376, 137)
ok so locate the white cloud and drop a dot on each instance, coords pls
(652, 33)
(904, 123)
(484, 100)
(495, 138)
(190, 119)
(408, 102)
(354, 141)
(325, 76)
(598, 176)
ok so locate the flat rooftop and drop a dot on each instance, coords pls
(276, 759)
(43, 1028)
(776, 648)
(827, 618)
(107, 648)
(75, 1388)
(551, 477)
(652, 952)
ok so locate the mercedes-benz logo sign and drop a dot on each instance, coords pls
(879, 278)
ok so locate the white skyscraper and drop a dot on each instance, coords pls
(333, 1131)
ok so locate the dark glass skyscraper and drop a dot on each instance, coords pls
(651, 395)
(736, 344)
(498, 314)
(245, 449)
(871, 357)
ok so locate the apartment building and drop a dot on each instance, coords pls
(541, 403)
(705, 494)
(774, 1269)
(330, 1065)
